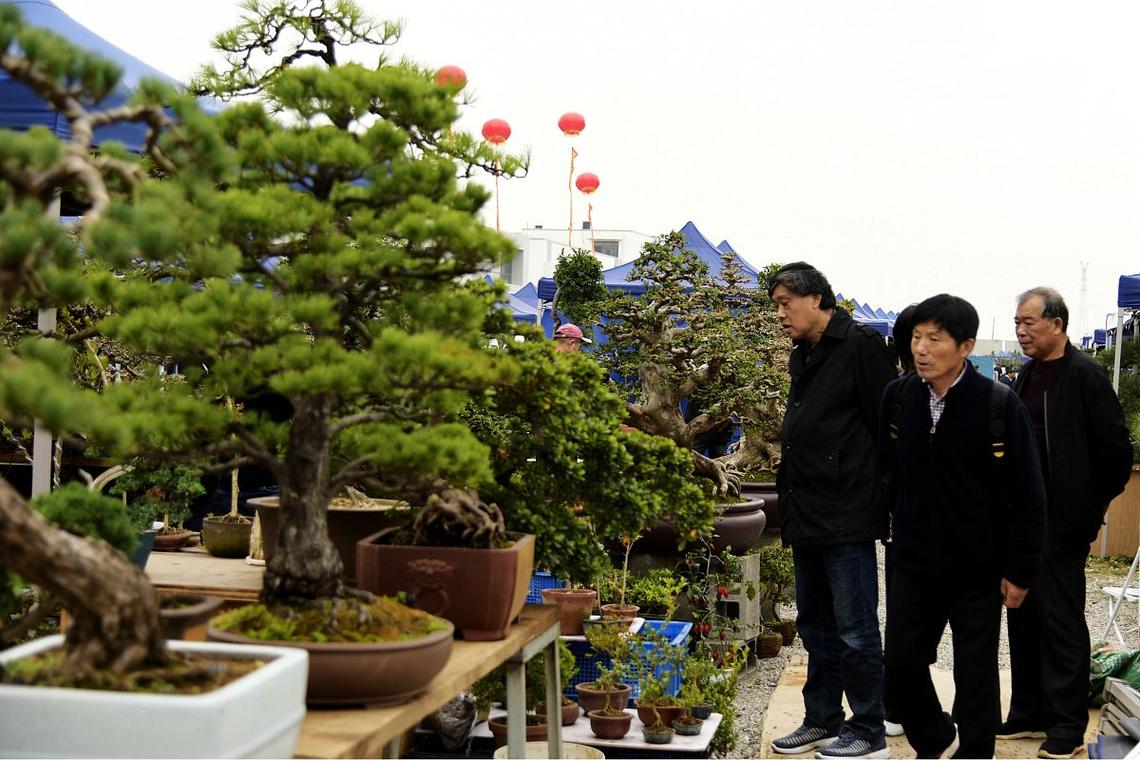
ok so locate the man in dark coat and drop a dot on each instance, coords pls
(1086, 458)
(831, 512)
(968, 524)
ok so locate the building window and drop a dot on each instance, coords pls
(506, 271)
(606, 247)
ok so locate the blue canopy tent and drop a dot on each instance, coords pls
(1127, 297)
(882, 322)
(521, 309)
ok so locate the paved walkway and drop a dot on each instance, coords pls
(786, 709)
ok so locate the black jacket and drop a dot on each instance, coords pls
(958, 511)
(1088, 451)
(829, 494)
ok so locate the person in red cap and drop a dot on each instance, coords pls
(569, 337)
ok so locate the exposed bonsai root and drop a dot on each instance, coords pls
(459, 518)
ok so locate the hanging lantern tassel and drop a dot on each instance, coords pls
(590, 217)
(571, 123)
(496, 132)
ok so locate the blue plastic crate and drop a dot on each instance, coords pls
(540, 580)
(676, 632)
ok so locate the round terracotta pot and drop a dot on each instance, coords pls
(591, 697)
(570, 712)
(185, 616)
(768, 644)
(767, 492)
(574, 605)
(787, 629)
(626, 612)
(688, 726)
(739, 526)
(609, 726)
(388, 673)
(172, 542)
(535, 732)
(226, 538)
(648, 714)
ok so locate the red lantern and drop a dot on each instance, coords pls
(451, 76)
(496, 131)
(572, 123)
(587, 182)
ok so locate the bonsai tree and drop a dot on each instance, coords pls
(160, 492)
(710, 342)
(778, 577)
(493, 686)
(580, 293)
(657, 591)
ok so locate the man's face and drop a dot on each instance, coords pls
(798, 314)
(566, 345)
(1040, 337)
(937, 357)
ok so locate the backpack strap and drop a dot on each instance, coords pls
(998, 394)
(897, 404)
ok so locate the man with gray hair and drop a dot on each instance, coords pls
(1086, 459)
(831, 513)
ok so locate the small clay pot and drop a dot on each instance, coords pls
(172, 542)
(535, 731)
(702, 711)
(187, 616)
(570, 711)
(688, 726)
(657, 735)
(768, 644)
(787, 629)
(574, 605)
(226, 537)
(609, 726)
(667, 714)
(593, 698)
(620, 612)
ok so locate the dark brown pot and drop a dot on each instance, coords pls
(627, 612)
(570, 712)
(739, 526)
(787, 629)
(591, 697)
(768, 644)
(767, 492)
(574, 606)
(702, 711)
(347, 526)
(226, 538)
(609, 726)
(648, 714)
(172, 542)
(372, 674)
(186, 616)
(481, 591)
(535, 732)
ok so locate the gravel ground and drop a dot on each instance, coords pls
(759, 681)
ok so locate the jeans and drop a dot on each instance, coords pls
(837, 598)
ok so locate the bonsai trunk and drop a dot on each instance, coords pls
(116, 625)
(306, 565)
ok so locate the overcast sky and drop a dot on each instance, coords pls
(976, 147)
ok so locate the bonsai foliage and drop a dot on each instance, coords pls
(493, 686)
(563, 469)
(711, 341)
(159, 491)
(580, 292)
(777, 576)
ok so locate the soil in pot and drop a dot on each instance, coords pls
(227, 536)
(574, 606)
(610, 724)
(590, 697)
(186, 616)
(688, 726)
(535, 729)
(377, 653)
(570, 711)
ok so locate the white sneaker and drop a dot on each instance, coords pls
(892, 728)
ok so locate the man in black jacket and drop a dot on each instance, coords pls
(1086, 458)
(968, 524)
(831, 512)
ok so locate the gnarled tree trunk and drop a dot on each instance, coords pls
(114, 608)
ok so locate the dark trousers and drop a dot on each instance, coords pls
(1049, 649)
(837, 618)
(918, 611)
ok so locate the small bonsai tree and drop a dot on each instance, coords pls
(159, 492)
(777, 577)
(493, 686)
(581, 292)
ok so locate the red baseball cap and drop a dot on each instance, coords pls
(571, 331)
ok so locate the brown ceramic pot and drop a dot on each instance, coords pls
(535, 732)
(626, 612)
(768, 644)
(570, 711)
(739, 526)
(590, 697)
(771, 497)
(186, 616)
(481, 591)
(648, 714)
(172, 542)
(787, 629)
(574, 606)
(372, 674)
(610, 726)
(226, 538)
(347, 525)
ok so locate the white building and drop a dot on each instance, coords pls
(539, 249)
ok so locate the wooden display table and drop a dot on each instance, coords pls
(376, 732)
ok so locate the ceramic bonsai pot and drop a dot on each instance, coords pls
(771, 497)
(481, 591)
(607, 726)
(570, 711)
(347, 525)
(768, 644)
(650, 714)
(187, 616)
(688, 726)
(143, 548)
(540, 751)
(574, 606)
(258, 715)
(702, 711)
(657, 736)
(621, 612)
(590, 697)
(172, 542)
(535, 730)
(226, 538)
(375, 674)
(738, 526)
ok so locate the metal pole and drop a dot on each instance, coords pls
(1119, 344)
(41, 436)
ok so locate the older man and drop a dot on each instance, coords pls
(831, 512)
(1086, 459)
(569, 338)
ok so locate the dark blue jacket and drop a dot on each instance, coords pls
(958, 511)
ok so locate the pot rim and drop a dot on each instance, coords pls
(216, 634)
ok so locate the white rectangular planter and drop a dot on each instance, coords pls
(259, 715)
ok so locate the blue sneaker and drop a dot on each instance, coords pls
(802, 739)
(849, 745)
